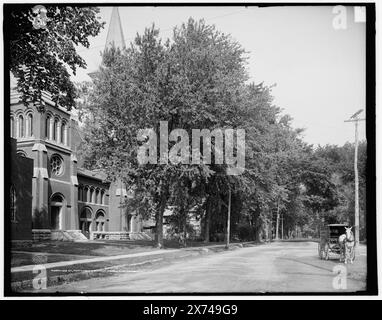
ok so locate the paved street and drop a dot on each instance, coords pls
(276, 267)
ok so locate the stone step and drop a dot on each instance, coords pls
(139, 236)
(68, 235)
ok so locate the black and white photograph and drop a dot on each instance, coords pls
(189, 149)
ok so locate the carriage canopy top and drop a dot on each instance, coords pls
(333, 230)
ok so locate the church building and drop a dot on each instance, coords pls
(52, 197)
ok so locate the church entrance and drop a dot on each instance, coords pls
(129, 218)
(85, 228)
(56, 205)
(55, 217)
(86, 222)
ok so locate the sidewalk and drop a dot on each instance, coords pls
(101, 266)
(119, 257)
(91, 260)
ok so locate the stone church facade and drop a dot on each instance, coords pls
(64, 197)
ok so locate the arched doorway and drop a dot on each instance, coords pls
(56, 208)
(85, 221)
(100, 220)
(129, 218)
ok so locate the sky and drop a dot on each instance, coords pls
(318, 70)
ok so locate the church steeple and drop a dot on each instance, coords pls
(115, 33)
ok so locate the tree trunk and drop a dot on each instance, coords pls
(277, 221)
(318, 224)
(185, 231)
(159, 222)
(270, 225)
(282, 227)
(207, 220)
(156, 229)
(257, 229)
(159, 229)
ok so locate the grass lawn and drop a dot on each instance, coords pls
(22, 259)
(55, 251)
(89, 248)
(97, 248)
(109, 268)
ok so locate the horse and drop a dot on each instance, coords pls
(346, 242)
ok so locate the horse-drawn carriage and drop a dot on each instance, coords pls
(337, 239)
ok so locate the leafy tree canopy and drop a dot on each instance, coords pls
(198, 80)
(40, 58)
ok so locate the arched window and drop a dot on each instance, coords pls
(63, 132)
(57, 198)
(91, 198)
(13, 204)
(102, 196)
(97, 199)
(21, 126)
(80, 193)
(55, 129)
(86, 214)
(47, 127)
(85, 194)
(21, 153)
(100, 221)
(30, 125)
(12, 127)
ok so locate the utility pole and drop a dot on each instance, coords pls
(355, 118)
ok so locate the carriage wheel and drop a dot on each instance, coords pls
(326, 251)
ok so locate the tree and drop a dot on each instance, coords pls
(198, 80)
(40, 58)
(274, 149)
(339, 161)
(192, 82)
(186, 203)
